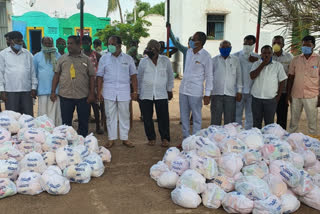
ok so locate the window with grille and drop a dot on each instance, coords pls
(215, 27)
(67, 31)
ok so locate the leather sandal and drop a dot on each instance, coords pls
(128, 144)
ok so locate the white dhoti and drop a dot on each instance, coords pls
(51, 109)
(115, 109)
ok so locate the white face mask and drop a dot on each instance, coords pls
(248, 49)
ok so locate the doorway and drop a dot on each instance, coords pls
(34, 37)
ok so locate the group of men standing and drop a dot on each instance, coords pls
(233, 83)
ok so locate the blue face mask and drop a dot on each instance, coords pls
(17, 47)
(225, 52)
(269, 61)
(306, 50)
(192, 44)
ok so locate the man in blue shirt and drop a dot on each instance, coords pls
(44, 64)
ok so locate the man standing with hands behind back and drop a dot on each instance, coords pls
(75, 75)
(198, 69)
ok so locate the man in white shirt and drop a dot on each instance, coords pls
(115, 71)
(246, 57)
(198, 69)
(155, 80)
(268, 81)
(285, 59)
(227, 85)
(18, 81)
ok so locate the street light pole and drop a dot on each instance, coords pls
(258, 26)
(168, 26)
(81, 18)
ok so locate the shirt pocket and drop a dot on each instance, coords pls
(314, 71)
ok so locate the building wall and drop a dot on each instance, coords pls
(157, 31)
(189, 16)
(5, 21)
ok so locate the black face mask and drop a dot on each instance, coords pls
(149, 53)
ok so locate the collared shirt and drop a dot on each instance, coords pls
(266, 85)
(44, 72)
(155, 80)
(285, 59)
(75, 86)
(227, 76)
(246, 66)
(197, 71)
(306, 72)
(116, 73)
(17, 72)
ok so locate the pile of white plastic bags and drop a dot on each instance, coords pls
(36, 156)
(244, 171)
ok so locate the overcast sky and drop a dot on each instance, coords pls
(68, 7)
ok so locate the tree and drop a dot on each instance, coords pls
(147, 9)
(299, 17)
(127, 32)
(112, 6)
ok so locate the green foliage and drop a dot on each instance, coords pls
(127, 32)
(146, 7)
(112, 6)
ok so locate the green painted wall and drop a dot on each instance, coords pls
(61, 27)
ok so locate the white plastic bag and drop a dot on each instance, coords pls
(259, 169)
(274, 129)
(157, 169)
(212, 196)
(205, 166)
(315, 169)
(185, 197)
(316, 179)
(189, 143)
(289, 203)
(235, 202)
(297, 160)
(96, 164)
(27, 121)
(34, 135)
(79, 173)
(207, 148)
(105, 154)
(7, 187)
(230, 164)
(82, 150)
(9, 123)
(232, 144)
(92, 143)
(54, 183)
(253, 187)
(252, 138)
(288, 173)
(67, 132)
(271, 205)
(312, 199)
(28, 183)
(9, 169)
(49, 158)
(276, 185)
(168, 180)
(5, 135)
(171, 154)
(12, 114)
(33, 162)
(226, 183)
(251, 156)
(44, 122)
(67, 156)
(27, 147)
(193, 180)
(180, 165)
(54, 142)
(305, 184)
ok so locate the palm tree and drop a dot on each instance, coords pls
(112, 6)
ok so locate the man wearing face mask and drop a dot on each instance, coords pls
(6, 36)
(198, 69)
(115, 71)
(18, 81)
(303, 86)
(94, 57)
(155, 78)
(45, 63)
(75, 75)
(246, 57)
(61, 45)
(227, 85)
(268, 81)
(285, 59)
